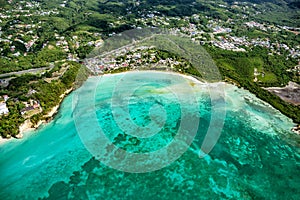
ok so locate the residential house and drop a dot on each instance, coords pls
(3, 109)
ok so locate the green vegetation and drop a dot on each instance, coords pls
(243, 64)
(9, 124)
(48, 94)
(240, 66)
(41, 59)
(52, 34)
(284, 107)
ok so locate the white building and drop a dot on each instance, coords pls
(3, 109)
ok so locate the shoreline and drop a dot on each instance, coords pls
(295, 129)
(28, 127)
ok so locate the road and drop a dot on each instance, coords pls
(30, 71)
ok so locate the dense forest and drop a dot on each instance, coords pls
(48, 95)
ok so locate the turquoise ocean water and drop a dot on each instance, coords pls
(256, 156)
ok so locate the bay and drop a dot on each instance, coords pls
(255, 157)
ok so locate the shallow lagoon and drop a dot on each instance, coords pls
(254, 157)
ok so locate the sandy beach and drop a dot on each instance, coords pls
(27, 126)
